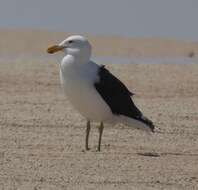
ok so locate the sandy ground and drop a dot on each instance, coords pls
(35, 41)
(42, 136)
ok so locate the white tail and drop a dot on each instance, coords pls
(134, 123)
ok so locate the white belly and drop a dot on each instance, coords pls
(82, 94)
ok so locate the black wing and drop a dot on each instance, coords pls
(116, 95)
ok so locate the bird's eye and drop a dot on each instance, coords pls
(70, 41)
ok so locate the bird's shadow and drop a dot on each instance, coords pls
(149, 154)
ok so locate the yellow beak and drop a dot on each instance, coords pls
(54, 49)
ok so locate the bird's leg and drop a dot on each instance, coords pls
(87, 135)
(100, 135)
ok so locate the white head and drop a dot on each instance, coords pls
(77, 46)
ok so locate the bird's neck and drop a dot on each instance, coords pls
(79, 55)
(70, 62)
(76, 59)
(81, 59)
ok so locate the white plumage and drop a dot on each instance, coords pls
(79, 75)
(78, 83)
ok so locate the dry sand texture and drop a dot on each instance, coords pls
(42, 137)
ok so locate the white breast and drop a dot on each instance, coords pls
(78, 84)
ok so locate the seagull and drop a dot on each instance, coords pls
(94, 91)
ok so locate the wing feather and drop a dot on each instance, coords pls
(116, 95)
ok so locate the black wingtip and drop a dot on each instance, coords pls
(149, 123)
(152, 127)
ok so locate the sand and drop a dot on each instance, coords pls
(42, 136)
(36, 41)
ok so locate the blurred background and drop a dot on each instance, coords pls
(121, 31)
(131, 18)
